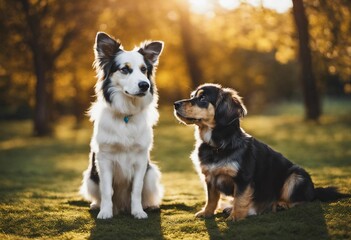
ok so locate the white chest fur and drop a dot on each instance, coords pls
(112, 133)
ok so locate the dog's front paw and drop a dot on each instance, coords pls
(139, 215)
(203, 214)
(105, 214)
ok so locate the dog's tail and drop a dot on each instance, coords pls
(329, 194)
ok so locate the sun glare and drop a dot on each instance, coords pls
(201, 6)
(206, 6)
(280, 6)
(229, 4)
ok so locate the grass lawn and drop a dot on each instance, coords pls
(39, 181)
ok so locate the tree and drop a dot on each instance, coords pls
(46, 29)
(330, 30)
(307, 78)
(188, 44)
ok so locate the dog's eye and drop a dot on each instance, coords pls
(124, 70)
(143, 69)
(202, 98)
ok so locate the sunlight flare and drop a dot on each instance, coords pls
(280, 6)
(201, 6)
(229, 4)
(206, 6)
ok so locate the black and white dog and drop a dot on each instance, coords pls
(233, 163)
(120, 176)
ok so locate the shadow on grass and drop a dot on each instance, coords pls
(177, 206)
(124, 226)
(302, 222)
(79, 203)
(213, 229)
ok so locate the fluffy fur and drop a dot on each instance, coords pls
(120, 176)
(233, 163)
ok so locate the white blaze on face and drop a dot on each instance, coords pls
(129, 82)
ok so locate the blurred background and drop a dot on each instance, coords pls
(289, 59)
(270, 51)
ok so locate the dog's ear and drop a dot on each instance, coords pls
(151, 51)
(229, 107)
(105, 50)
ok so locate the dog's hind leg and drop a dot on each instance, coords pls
(90, 185)
(90, 191)
(152, 189)
(298, 188)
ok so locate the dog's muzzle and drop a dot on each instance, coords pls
(180, 114)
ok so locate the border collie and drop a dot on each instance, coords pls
(233, 163)
(120, 176)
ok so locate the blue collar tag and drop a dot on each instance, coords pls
(126, 119)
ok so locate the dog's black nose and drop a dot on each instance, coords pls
(177, 105)
(144, 86)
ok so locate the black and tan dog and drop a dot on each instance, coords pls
(236, 164)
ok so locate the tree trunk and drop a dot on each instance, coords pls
(191, 59)
(308, 81)
(42, 124)
(43, 67)
(78, 108)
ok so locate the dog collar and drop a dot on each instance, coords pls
(126, 118)
(213, 146)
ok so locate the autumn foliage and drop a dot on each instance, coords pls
(46, 50)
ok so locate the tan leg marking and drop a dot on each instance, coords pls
(211, 202)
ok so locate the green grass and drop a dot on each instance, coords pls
(39, 180)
